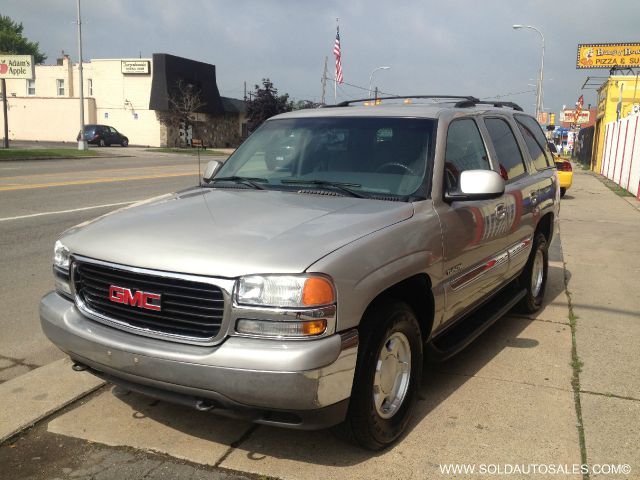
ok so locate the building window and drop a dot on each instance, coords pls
(31, 87)
(60, 87)
(90, 87)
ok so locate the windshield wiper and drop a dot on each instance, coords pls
(250, 181)
(342, 186)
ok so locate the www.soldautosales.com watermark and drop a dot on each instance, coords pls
(506, 469)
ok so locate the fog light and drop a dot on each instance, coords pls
(281, 329)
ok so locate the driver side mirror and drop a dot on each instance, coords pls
(477, 185)
(212, 167)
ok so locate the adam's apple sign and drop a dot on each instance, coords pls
(16, 66)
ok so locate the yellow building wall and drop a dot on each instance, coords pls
(608, 97)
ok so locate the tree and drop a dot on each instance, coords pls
(13, 42)
(304, 104)
(266, 103)
(184, 102)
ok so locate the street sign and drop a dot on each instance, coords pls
(17, 66)
(608, 55)
(569, 116)
(136, 67)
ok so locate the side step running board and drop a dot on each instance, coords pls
(462, 333)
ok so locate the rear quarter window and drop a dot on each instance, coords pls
(506, 147)
(535, 140)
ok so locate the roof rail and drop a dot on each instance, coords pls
(495, 103)
(346, 103)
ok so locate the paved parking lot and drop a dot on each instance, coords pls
(510, 398)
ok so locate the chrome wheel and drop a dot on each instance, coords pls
(537, 273)
(392, 375)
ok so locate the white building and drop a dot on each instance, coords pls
(124, 93)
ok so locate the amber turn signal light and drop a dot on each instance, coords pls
(317, 291)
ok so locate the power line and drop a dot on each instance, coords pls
(510, 94)
(362, 88)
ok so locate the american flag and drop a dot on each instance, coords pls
(336, 52)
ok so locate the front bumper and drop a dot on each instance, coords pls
(300, 384)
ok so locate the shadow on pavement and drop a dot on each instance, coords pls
(439, 382)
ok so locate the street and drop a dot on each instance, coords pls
(41, 199)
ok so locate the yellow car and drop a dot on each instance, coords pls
(565, 170)
(565, 174)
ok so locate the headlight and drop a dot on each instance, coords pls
(288, 291)
(60, 256)
(61, 269)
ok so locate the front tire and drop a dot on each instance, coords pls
(387, 378)
(534, 276)
(125, 143)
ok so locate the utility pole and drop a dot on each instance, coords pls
(82, 143)
(324, 81)
(245, 91)
(4, 111)
(376, 96)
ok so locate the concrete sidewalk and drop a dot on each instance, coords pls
(600, 241)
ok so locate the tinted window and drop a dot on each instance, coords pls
(386, 156)
(465, 151)
(507, 150)
(535, 140)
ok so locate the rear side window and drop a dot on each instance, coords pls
(535, 141)
(507, 150)
(465, 151)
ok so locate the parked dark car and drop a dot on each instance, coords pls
(103, 135)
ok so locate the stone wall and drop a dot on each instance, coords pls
(217, 131)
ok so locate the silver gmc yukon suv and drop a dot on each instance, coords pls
(308, 278)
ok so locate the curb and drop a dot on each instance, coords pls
(35, 395)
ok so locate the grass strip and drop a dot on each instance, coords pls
(40, 153)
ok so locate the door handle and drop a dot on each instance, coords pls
(534, 197)
(501, 211)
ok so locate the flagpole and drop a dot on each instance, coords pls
(335, 76)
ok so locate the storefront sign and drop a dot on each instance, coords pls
(136, 66)
(17, 66)
(569, 116)
(608, 55)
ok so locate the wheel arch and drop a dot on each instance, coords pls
(545, 226)
(415, 291)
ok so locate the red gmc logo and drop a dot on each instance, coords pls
(140, 299)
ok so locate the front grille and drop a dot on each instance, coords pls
(188, 308)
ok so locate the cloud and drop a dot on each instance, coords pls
(457, 46)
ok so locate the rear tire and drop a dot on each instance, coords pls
(387, 378)
(534, 276)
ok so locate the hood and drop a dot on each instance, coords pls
(232, 232)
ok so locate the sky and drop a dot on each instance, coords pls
(455, 47)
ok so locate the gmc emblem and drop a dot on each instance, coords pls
(140, 299)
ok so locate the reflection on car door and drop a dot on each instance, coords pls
(521, 189)
(475, 232)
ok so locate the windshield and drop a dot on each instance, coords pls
(372, 156)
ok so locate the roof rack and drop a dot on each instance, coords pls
(346, 103)
(495, 103)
